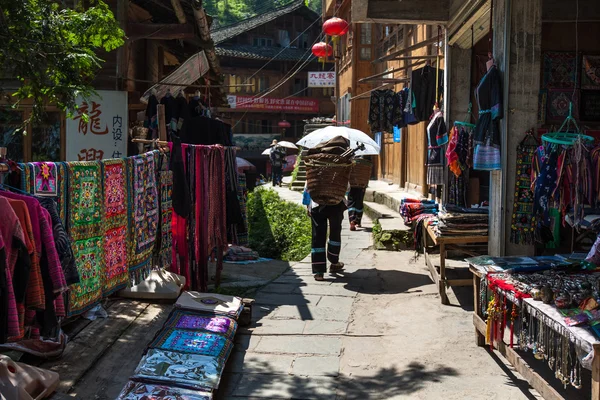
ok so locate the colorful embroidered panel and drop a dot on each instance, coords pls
(558, 104)
(45, 179)
(189, 320)
(144, 215)
(86, 210)
(116, 272)
(165, 250)
(89, 258)
(194, 342)
(146, 391)
(559, 70)
(590, 77)
(188, 370)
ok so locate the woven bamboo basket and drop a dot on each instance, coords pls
(327, 178)
(360, 173)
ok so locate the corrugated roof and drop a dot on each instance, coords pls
(219, 35)
(263, 53)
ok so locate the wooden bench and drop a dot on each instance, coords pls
(446, 243)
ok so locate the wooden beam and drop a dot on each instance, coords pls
(430, 57)
(391, 71)
(410, 11)
(204, 28)
(408, 49)
(179, 11)
(136, 31)
(162, 123)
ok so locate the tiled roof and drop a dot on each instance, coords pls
(263, 53)
(219, 35)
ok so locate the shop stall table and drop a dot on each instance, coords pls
(519, 363)
(446, 243)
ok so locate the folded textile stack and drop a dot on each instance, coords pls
(241, 253)
(411, 209)
(187, 357)
(458, 221)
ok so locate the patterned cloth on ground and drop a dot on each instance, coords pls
(86, 217)
(211, 302)
(193, 342)
(186, 319)
(146, 391)
(116, 273)
(192, 371)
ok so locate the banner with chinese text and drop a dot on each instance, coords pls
(103, 134)
(291, 104)
(321, 79)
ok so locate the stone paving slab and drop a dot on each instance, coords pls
(331, 290)
(285, 387)
(325, 327)
(242, 361)
(316, 366)
(286, 299)
(284, 288)
(267, 326)
(300, 345)
(307, 313)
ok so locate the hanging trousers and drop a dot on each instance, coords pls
(355, 204)
(323, 216)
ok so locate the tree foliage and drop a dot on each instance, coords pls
(228, 12)
(52, 50)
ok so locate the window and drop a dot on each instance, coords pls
(238, 82)
(231, 82)
(263, 83)
(365, 53)
(10, 138)
(303, 41)
(300, 86)
(284, 38)
(46, 137)
(266, 126)
(365, 34)
(262, 42)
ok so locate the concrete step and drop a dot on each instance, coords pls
(394, 235)
(377, 211)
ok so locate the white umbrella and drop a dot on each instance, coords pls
(243, 164)
(266, 152)
(289, 145)
(353, 135)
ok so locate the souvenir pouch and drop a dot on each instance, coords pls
(146, 391)
(594, 254)
(194, 342)
(185, 319)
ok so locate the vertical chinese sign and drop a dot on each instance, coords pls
(103, 134)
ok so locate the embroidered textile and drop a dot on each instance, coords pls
(146, 391)
(144, 215)
(590, 78)
(382, 110)
(165, 247)
(190, 320)
(116, 272)
(86, 211)
(560, 70)
(45, 176)
(210, 303)
(192, 371)
(194, 342)
(523, 219)
(89, 258)
(558, 104)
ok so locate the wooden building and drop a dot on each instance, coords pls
(265, 61)
(160, 36)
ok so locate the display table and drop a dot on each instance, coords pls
(579, 335)
(446, 243)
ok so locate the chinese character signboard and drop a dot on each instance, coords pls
(291, 104)
(321, 79)
(103, 134)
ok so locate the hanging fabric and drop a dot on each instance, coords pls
(523, 220)
(487, 131)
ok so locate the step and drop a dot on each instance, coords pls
(394, 236)
(377, 211)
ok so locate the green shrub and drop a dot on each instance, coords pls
(296, 167)
(276, 228)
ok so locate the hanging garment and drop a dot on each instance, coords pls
(424, 87)
(170, 105)
(181, 116)
(233, 209)
(164, 247)
(437, 136)
(487, 131)
(381, 110)
(242, 228)
(116, 239)
(86, 217)
(143, 218)
(523, 222)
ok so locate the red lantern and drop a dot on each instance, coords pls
(284, 124)
(322, 50)
(335, 27)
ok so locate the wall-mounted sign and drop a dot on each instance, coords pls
(103, 134)
(291, 104)
(321, 79)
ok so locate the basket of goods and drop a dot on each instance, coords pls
(360, 173)
(327, 172)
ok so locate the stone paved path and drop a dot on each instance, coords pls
(376, 331)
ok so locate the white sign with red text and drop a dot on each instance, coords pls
(103, 134)
(321, 79)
